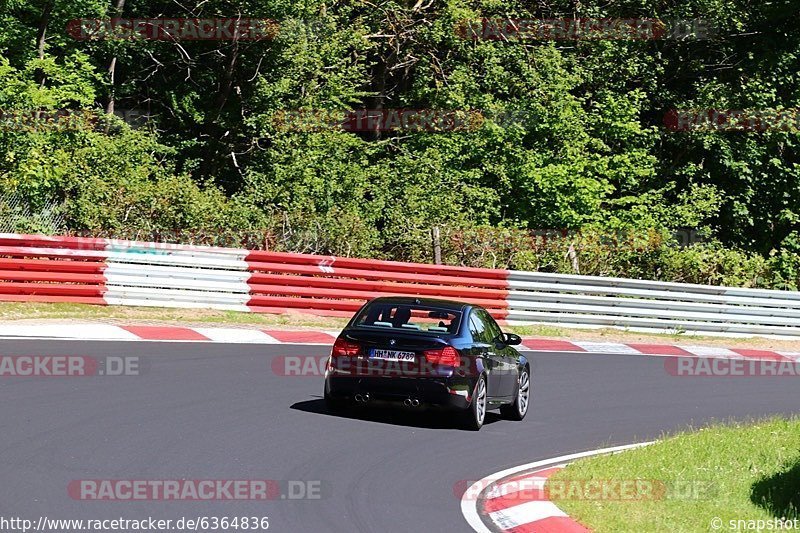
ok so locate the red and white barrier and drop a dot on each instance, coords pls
(112, 272)
(37, 268)
(339, 286)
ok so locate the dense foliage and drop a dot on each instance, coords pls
(588, 153)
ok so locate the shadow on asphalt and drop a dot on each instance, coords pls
(396, 416)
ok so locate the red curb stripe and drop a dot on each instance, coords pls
(760, 354)
(661, 349)
(301, 337)
(512, 499)
(526, 493)
(157, 333)
(551, 344)
(553, 524)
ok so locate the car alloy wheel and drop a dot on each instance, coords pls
(519, 408)
(476, 413)
(523, 394)
(480, 399)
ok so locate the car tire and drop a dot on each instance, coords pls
(519, 408)
(475, 415)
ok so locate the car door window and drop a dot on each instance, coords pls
(491, 330)
(478, 329)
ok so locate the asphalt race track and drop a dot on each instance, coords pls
(217, 411)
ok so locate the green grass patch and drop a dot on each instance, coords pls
(544, 330)
(177, 316)
(722, 473)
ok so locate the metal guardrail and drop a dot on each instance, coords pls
(651, 305)
(108, 272)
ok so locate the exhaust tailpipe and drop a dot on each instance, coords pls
(411, 402)
(362, 398)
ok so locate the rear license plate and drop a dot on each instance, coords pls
(391, 355)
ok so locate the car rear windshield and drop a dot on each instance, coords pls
(409, 317)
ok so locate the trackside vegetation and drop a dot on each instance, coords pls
(706, 480)
(572, 168)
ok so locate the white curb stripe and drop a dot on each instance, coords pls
(711, 351)
(234, 336)
(525, 513)
(606, 347)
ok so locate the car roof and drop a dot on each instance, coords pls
(452, 305)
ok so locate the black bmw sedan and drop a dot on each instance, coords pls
(424, 352)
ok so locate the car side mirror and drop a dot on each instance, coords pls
(511, 339)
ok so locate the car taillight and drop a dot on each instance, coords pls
(445, 356)
(343, 348)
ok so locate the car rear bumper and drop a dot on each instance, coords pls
(437, 392)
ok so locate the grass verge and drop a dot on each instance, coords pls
(721, 473)
(39, 312)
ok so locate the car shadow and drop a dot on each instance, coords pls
(396, 416)
(779, 494)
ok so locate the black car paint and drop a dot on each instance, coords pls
(500, 363)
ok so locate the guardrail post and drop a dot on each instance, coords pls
(437, 245)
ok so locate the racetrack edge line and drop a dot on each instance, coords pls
(469, 507)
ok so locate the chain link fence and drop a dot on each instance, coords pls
(18, 216)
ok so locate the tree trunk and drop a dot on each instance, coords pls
(112, 68)
(41, 37)
(42, 34)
